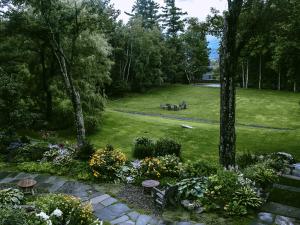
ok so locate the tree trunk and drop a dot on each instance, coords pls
(247, 73)
(243, 75)
(295, 86)
(228, 68)
(259, 79)
(73, 94)
(279, 80)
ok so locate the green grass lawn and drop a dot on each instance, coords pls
(259, 107)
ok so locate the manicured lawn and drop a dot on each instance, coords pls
(260, 107)
(120, 129)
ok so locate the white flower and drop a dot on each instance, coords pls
(49, 222)
(136, 164)
(43, 216)
(129, 179)
(57, 213)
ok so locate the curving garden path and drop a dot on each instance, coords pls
(109, 209)
(106, 208)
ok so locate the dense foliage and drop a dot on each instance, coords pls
(105, 163)
(146, 147)
(60, 58)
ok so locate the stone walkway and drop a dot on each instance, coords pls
(279, 214)
(106, 208)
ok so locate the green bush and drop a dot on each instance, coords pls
(91, 123)
(25, 140)
(246, 159)
(151, 168)
(6, 138)
(166, 146)
(221, 187)
(170, 165)
(192, 188)
(247, 197)
(13, 216)
(73, 212)
(262, 174)
(85, 151)
(28, 152)
(143, 148)
(105, 163)
(230, 192)
(11, 197)
(198, 169)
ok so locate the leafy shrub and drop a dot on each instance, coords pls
(105, 163)
(10, 197)
(6, 138)
(246, 159)
(69, 209)
(279, 161)
(28, 152)
(247, 197)
(170, 165)
(143, 148)
(151, 168)
(59, 155)
(91, 123)
(198, 169)
(233, 208)
(166, 146)
(221, 187)
(13, 216)
(61, 114)
(231, 192)
(129, 172)
(243, 199)
(24, 139)
(261, 174)
(85, 151)
(192, 189)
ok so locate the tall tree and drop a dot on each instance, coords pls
(228, 70)
(148, 11)
(172, 18)
(195, 50)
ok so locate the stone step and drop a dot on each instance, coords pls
(287, 188)
(291, 177)
(283, 210)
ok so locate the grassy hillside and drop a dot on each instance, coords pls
(263, 108)
(260, 107)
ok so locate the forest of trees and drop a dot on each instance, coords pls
(63, 57)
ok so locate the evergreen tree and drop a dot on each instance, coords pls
(172, 19)
(148, 11)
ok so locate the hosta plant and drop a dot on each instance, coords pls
(193, 188)
(11, 197)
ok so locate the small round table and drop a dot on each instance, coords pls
(27, 185)
(149, 184)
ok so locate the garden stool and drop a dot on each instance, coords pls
(148, 185)
(27, 186)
